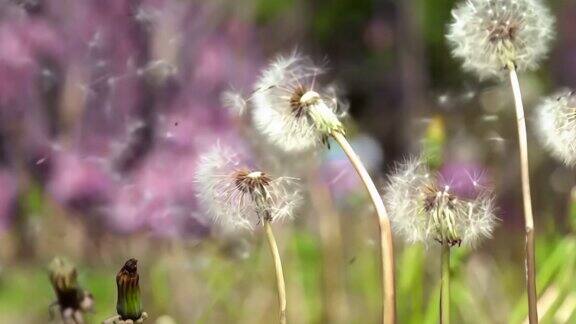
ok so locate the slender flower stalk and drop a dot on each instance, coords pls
(445, 285)
(386, 244)
(294, 115)
(527, 199)
(237, 196)
(335, 308)
(424, 209)
(281, 285)
(493, 37)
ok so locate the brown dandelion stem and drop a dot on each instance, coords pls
(335, 308)
(386, 244)
(278, 269)
(445, 285)
(527, 200)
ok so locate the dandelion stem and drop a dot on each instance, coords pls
(329, 224)
(528, 218)
(278, 269)
(445, 285)
(386, 245)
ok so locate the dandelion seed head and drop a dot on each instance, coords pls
(290, 111)
(422, 209)
(556, 124)
(237, 197)
(491, 35)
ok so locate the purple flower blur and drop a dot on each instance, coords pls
(80, 182)
(8, 197)
(146, 112)
(464, 179)
(339, 174)
(118, 128)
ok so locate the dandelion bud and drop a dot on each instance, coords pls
(422, 209)
(555, 121)
(289, 111)
(129, 304)
(238, 196)
(492, 35)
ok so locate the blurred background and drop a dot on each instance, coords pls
(105, 106)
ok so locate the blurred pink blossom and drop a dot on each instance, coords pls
(132, 139)
(80, 181)
(464, 178)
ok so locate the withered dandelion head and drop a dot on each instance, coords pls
(72, 301)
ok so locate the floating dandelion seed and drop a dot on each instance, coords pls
(290, 110)
(424, 210)
(489, 35)
(237, 196)
(556, 124)
(234, 102)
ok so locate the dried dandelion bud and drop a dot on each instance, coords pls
(423, 210)
(289, 110)
(237, 196)
(129, 304)
(556, 124)
(63, 276)
(72, 301)
(492, 35)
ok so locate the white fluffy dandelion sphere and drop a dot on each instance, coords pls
(237, 196)
(289, 109)
(556, 124)
(422, 209)
(492, 35)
